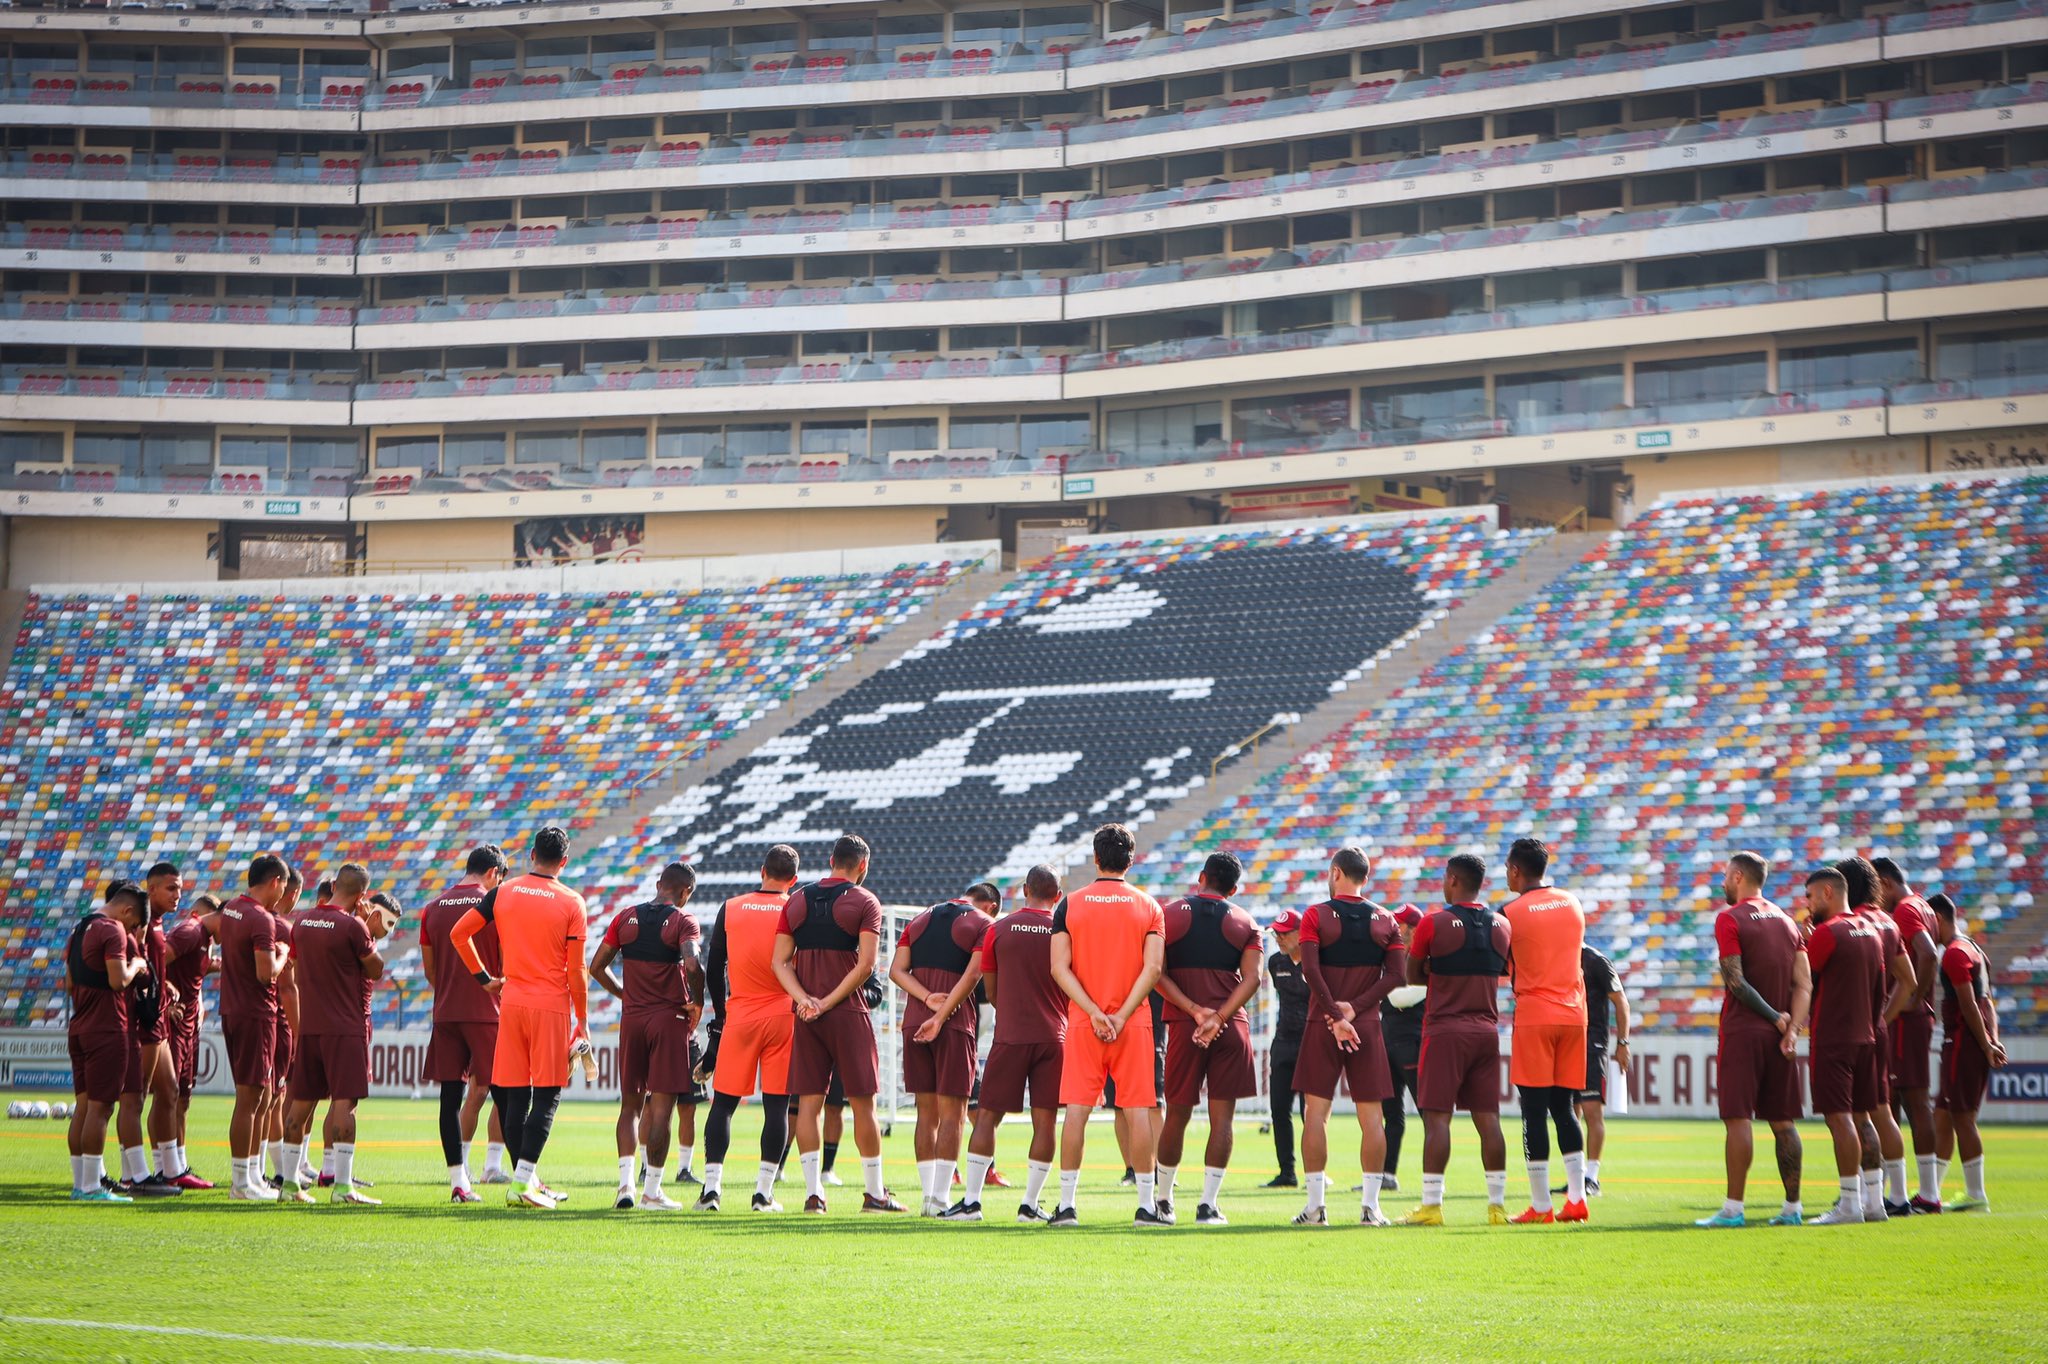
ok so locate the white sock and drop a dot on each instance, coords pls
(650, 1187)
(1731, 1207)
(942, 1181)
(273, 1153)
(1792, 1207)
(1163, 1176)
(95, 1171)
(167, 1159)
(1895, 1179)
(1575, 1177)
(1973, 1177)
(871, 1173)
(494, 1157)
(924, 1179)
(626, 1164)
(1539, 1185)
(184, 1160)
(714, 1178)
(1940, 1175)
(764, 1178)
(1592, 1170)
(814, 1179)
(465, 1155)
(1212, 1183)
(1034, 1180)
(1315, 1185)
(1369, 1196)
(1497, 1187)
(344, 1164)
(238, 1173)
(458, 1176)
(326, 1162)
(1930, 1186)
(1852, 1192)
(1432, 1191)
(134, 1163)
(1148, 1197)
(683, 1164)
(1873, 1192)
(78, 1175)
(292, 1154)
(1070, 1184)
(977, 1175)
(525, 1174)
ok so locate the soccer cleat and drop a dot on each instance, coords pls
(1843, 1214)
(1574, 1212)
(1722, 1219)
(188, 1180)
(708, 1201)
(1389, 1184)
(685, 1177)
(815, 1204)
(1209, 1216)
(254, 1193)
(1892, 1209)
(658, 1203)
(962, 1211)
(529, 1198)
(277, 1182)
(1030, 1214)
(1427, 1215)
(1787, 1219)
(359, 1182)
(1496, 1215)
(1311, 1217)
(886, 1203)
(932, 1207)
(349, 1196)
(830, 1180)
(1064, 1217)
(155, 1186)
(1530, 1217)
(553, 1197)
(1592, 1187)
(110, 1184)
(994, 1179)
(1967, 1203)
(1372, 1217)
(99, 1196)
(464, 1196)
(1145, 1219)
(1876, 1214)
(1130, 1179)
(1283, 1180)
(307, 1175)
(623, 1199)
(759, 1203)
(296, 1192)
(494, 1177)
(1165, 1209)
(1928, 1206)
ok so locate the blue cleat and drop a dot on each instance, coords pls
(1787, 1219)
(1722, 1219)
(98, 1196)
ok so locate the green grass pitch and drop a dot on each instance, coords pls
(421, 1279)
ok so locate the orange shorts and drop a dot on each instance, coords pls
(1088, 1061)
(756, 1045)
(1548, 1054)
(533, 1048)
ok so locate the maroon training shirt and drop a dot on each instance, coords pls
(329, 945)
(95, 1011)
(1362, 987)
(654, 975)
(820, 969)
(246, 929)
(1767, 940)
(1207, 986)
(185, 967)
(1847, 953)
(457, 996)
(1016, 952)
(153, 954)
(1913, 916)
(969, 927)
(1457, 1003)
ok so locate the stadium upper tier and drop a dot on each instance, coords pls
(392, 729)
(1806, 674)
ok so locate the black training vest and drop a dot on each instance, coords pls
(1476, 957)
(1355, 945)
(1203, 947)
(935, 947)
(819, 931)
(74, 958)
(647, 944)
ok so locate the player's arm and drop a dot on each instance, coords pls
(1742, 992)
(427, 962)
(1906, 987)
(1178, 998)
(1318, 984)
(714, 969)
(1393, 970)
(863, 967)
(288, 994)
(1922, 951)
(1251, 973)
(1418, 951)
(1070, 984)
(601, 969)
(123, 971)
(693, 982)
(462, 939)
(900, 977)
(929, 1030)
(784, 963)
(373, 964)
(1149, 976)
(1617, 998)
(1962, 978)
(1802, 1001)
(579, 985)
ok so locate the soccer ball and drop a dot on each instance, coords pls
(60, 1110)
(39, 1109)
(17, 1109)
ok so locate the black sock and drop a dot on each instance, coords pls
(774, 1127)
(718, 1127)
(541, 1121)
(451, 1121)
(1535, 1121)
(1569, 1136)
(512, 1102)
(831, 1154)
(1396, 1120)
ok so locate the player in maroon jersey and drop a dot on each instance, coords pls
(933, 954)
(271, 1134)
(337, 960)
(1970, 1051)
(465, 1022)
(1769, 988)
(150, 1070)
(1894, 995)
(1213, 951)
(252, 958)
(661, 999)
(101, 964)
(188, 958)
(1912, 1039)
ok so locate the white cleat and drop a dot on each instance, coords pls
(659, 1203)
(1843, 1214)
(349, 1196)
(258, 1193)
(831, 1180)
(494, 1177)
(932, 1208)
(623, 1199)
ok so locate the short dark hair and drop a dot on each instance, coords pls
(294, 877)
(1042, 882)
(551, 845)
(324, 891)
(1888, 870)
(1529, 856)
(1754, 864)
(781, 863)
(1353, 863)
(267, 868)
(1826, 876)
(387, 900)
(354, 874)
(849, 852)
(985, 892)
(679, 877)
(1469, 869)
(1943, 907)
(1861, 879)
(1114, 848)
(1222, 871)
(123, 889)
(485, 860)
(207, 898)
(161, 869)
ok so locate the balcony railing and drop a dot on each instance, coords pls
(111, 382)
(597, 303)
(197, 480)
(714, 374)
(178, 310)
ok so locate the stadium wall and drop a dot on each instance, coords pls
(82, 551)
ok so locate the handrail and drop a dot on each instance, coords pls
(1574, 519)
(1253, 739)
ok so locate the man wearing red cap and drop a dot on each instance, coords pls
(1283, 968)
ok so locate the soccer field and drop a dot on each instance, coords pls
(420, 1278)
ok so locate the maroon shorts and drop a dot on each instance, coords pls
(1882, 1049)
(1754, 1079)
(1013, 1067)
(1912, 1051)
(99, 1064)
(330, 1066)
(1457, 1070)
(1845, 1078)
(185, 1058)
(460, 1051)
(1321, 1064)
(281, 1053)
(1965, 1075)
(133, 1080)
(252, 1050)
(942, 1066)
(1224, 1067)
(654, 1053)
(841, 1042)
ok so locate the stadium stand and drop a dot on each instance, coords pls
(1094, 687)
(1802, 673)
(394, 729)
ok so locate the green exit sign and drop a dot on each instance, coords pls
(1080, 487)
(1653, 440)
(281, 506)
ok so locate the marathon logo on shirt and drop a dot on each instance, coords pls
(318, 923)
(1855, 925)
(1032, 928)
(231, 913)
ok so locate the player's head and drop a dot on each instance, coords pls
(1406, 919)
(1115, 849)
(1349, 869)
(1287, 931)
(1464, 874)
(1744, 876)
(294, 887)
(984, 896)
(165, 887)
(1862, 880)
(1041, 887)
(486, 866)
(850, 858)
(1947, 923)
(678, 880)
(1221, 871)
(1827, 894)
(351, 883)
(779, 868)
(1892, 886)
(205, 902)
(1528, 862)
(381, 913)
(125, 903)
(323, 891)
(550, 850)
(268, 876)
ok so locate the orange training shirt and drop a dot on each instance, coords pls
(1548, 928)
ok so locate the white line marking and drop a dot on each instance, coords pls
(301, 1342)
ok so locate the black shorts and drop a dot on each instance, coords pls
(1595, 1091)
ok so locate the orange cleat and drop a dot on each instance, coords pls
(1574, 1212)
(1530, 1217)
